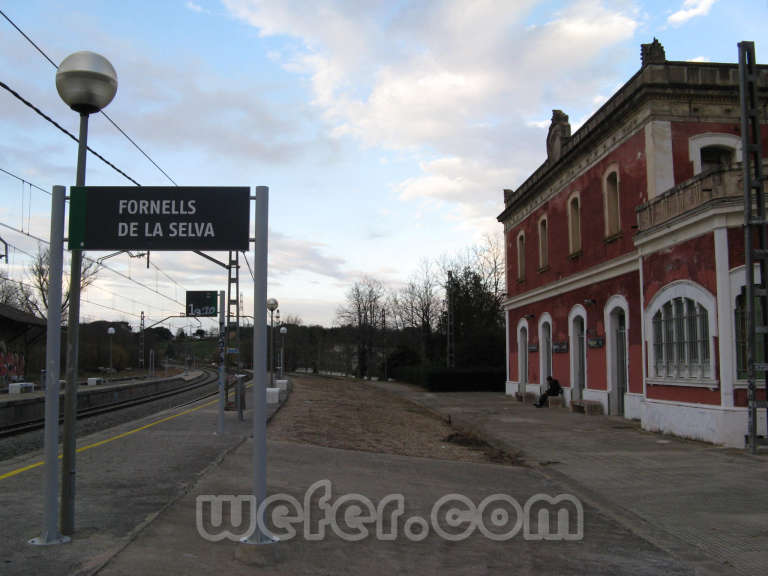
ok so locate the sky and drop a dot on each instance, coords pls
(385, 129)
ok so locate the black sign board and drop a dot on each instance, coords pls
(202, 303)
(533, 347)
(596, 342)
(560, 347)
(158, 218)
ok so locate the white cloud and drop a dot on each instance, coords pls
(455, 80)
(699, 59)
(195, 7)
(690, 9)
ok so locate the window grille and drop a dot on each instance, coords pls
(681, 340)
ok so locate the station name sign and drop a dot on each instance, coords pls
(159, 218)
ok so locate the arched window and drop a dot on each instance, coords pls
(611, 203)
(543, 243)
(681, 334)
(521, 256)
(574, 224)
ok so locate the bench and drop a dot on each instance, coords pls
(588, 407)
(556, 401)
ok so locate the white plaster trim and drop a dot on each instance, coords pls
(543, 250)
(615, 301)
(614, 167)
(597, 396)
(710, 423)
(634, 405)
(643, 343)
(726, 342)
(571, 237)
(604, 271)
(660, 171)
(577, 311)
(545, 317)
(506, 339)
(699, 141)
(521, 256)
(679, 230)
(684, 382)
(522, 348)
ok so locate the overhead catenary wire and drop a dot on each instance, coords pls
(19, 178)
(121, 274)
(67, 132)
(131, 140)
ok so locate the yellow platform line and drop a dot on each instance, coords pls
(111, 439)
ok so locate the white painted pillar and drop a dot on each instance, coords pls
(725, 341)
(506, 339)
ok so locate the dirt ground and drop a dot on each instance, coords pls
(353, 415)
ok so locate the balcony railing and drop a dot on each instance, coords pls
(713, 185)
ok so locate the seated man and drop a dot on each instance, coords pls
(553, 389)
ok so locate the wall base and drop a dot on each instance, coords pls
(634, 406)
(725, 426)
(597, 396)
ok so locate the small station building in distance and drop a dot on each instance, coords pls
(625, 255)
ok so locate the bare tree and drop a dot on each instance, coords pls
(10, 293)
(365, 312)
(34, 299)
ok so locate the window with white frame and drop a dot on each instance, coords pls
(521, 256)
(543, 243)
(611, 203)
(574, 224)
(681, 340)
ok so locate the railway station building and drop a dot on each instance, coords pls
(625, 255)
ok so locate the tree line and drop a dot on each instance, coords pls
(384, 332)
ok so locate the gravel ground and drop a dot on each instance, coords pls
(31, 441)
(352, 415)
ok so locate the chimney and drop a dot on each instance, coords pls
(652, 53)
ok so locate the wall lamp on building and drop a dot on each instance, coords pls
(590, 301)
(529, 316)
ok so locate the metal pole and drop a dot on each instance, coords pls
(272, 348)
(222, 359)
(282, 355)
(73, 329)
(50, 533)
(260, 357)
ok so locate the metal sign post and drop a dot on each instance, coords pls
(50, 533)
(260, 359)
(222, 367)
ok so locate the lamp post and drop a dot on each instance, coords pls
(272, 306)
(283, 332)
(86, 82)
(111, 332)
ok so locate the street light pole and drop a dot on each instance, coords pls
(283, 331)
(111, 332)
(87, 82)
(272, 306)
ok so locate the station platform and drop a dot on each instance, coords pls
(126, 476)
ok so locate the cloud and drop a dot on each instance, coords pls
(289, 255)
(690, 9)
(195, 7)
(455, 82)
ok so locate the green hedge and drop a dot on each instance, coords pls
(453, 379)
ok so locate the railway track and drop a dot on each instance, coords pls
(208, 377)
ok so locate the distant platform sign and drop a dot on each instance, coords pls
(158, 218)
(202, 303)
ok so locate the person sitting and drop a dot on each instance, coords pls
(553, 389)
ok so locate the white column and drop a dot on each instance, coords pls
(725, 341)
(506, 339)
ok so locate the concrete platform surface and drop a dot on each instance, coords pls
(172, 544)
(705, 504)
(126, 475)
